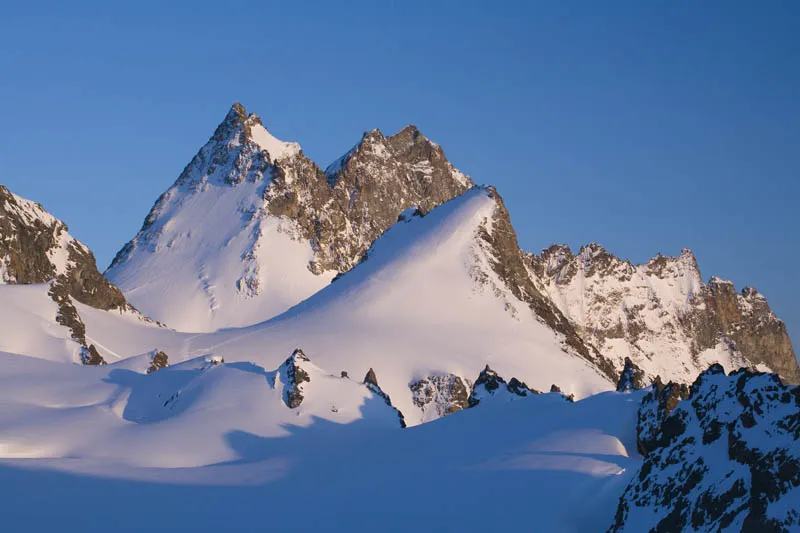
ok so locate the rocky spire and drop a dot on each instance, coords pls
(631, 378)
(295, 376)
(371, 379)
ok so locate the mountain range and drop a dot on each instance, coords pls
(268, 300)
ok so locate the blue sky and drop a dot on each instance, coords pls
(644, 126)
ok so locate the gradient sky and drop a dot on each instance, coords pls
(644, 126)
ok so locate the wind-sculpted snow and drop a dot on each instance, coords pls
(216, 447)
(726, 459)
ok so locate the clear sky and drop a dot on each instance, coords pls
(644, 126)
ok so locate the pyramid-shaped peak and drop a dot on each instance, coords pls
(240, 127)
(238, 111)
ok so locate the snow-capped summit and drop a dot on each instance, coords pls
(252, 227)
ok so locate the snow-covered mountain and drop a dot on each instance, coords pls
(369, 342)
(252, 226)
(661, 315)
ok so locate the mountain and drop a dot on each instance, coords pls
(37, 250)
(661, 315)
(252, 227)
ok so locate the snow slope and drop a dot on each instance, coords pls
(28, 324)
(112, 448)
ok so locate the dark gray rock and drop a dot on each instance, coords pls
(489, 384)
(371, 382)
(90, 356)
(295, 377)
(370, 378)
(726, 458)
(631, 377)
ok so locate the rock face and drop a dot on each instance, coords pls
(661, 315)
(36, 247)
(158, 361)
(439, 395)
(657, 405)
(631, 377)
(90, 356)
(294, 374)
(490, 386)
(725, 459)
(371, 186)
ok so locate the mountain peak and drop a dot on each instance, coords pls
(238, 127)
(235, 117)
(238, 111)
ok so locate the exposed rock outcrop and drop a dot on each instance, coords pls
(158, 360)
(657, 405)
(631, 377)
(91, 357)
(509, 265)
(344, 209)
(725, 459)
(36, 247)
(440, 395)
(490, 385)
(295, 376)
